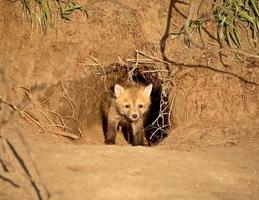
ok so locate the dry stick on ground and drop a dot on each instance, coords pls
(59, 116)
(152, 57)
(78, 123)
(66, 134)
(62, 133)
(53, 94)
(70, 104)
(142, 61)
(60, 126)
(25, 115)
(21, 113)
(46, 116)
(64, 126)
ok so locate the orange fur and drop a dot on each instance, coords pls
(128, 110)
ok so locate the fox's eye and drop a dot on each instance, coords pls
(140, 106)
(127, 106)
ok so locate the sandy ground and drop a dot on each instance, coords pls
(124, 172)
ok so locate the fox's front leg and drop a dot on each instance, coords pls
(112, 127)
(138, 133)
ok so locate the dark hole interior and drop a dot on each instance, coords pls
(156, 126)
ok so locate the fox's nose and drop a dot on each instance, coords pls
(134, 116)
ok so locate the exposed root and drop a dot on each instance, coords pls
(185, 30)
(53, 94)
(70, 104)
(43, 111)
(66, 134)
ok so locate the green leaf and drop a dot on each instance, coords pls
(253, 2)
(235, 37)
(228, 38)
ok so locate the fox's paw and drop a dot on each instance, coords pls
(111, 141)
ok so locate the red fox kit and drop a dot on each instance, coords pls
(128, 110)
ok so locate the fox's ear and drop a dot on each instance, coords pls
(148, 89)
(118, 90)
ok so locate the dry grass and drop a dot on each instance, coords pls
(46, 13)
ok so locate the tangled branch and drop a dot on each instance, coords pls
(189, 41)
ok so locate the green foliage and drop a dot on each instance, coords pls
(44, 12)
(68, 8)
(231, 14)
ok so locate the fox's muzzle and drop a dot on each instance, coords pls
(134, 117)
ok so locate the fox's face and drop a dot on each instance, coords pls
(132, 102)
